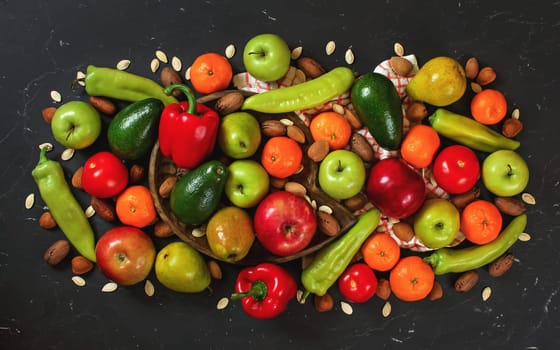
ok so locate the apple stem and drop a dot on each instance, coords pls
(510, 170)
(339, 166)
(256, 53)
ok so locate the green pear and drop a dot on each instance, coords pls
(440, 82)
(239, 135)
(181, 268)
(230, 233)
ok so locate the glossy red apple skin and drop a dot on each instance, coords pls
(395, 188)
(284, 223)
(125, 255)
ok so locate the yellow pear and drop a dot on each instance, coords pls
(440, 82)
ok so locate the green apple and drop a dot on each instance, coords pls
(181, 268)
(505, 173)
(267, 57)
(247, 183)
(437, 222)
(342, 174)
(230, 233)
(76, 124)
(239, 135)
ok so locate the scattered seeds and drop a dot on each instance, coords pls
(67, 154)
(79, 281)
(296, 52)
(346, 308)
(486, 292)
(326, 209)
(81, 83)
(337, 108)
(154, 65)
(299, 296)
(149, 288)
(80, 75)
(386, 310)
(56, 96)
(399, 49)
(475, 87)
(528, 198)
(524, 237)
(29, 201)
(109, 287)
(46, 144)
(222, 303)
(349, 56)
(161, 56)
(89, 212)
(188, 73)
(123, 64)
(515, 113)
(230, 51)
(176, 63)
(198, 232)
(286, 121)
(330, 47)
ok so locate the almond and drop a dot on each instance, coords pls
(327, 223)
(57, 252)
(272, 128)
(103, 105)
(471, 68)
(77, 178)
(162, 229)
(295, 188)
(310, 67)
(104, 209)
(501, 265)
(512, 127)
(353, 119)
(510, 205)
(229, 103)
(486, 76)
(295, 133)
(383, 289)
(277, 182)
(81, 265)
(318, 150)
(360, 145)
(404, 231)
(323, 303)
(137, 173)
(356, 202)
(400, 65)
(436, 292)
(466, 281)
(461, 200)
(416, 112)
(166, 186)
(215, 269)
(47, 221)
(170, 76)
(48, 114)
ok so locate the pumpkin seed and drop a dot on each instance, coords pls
(230, 51)
(79, 281)
(149, 288)
(346, 308)
(386, 310)
(188, 73)
(399, 49)
(296, 52)
(326, 209)
(109, 287)
(81, 83)
(198, 232)
(154, 65)
(486, 292)
(222, 303)
(123, 64)
(337, 108)
(29, 201)
(161, 56)
(528, 198)
(475, 87)
(314, 204)
(286, 121)
(80, 75)
(176, 63)
(89, 212)
(67, 154)
(56, 96)
(330, 47)
(46, 144)
(524, 237)
(515, 113)
(299, 297)
(349, 56)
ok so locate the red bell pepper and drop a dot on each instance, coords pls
(187, 130)
(264, 290)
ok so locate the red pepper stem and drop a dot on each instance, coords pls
(258, 292)
(185, 90)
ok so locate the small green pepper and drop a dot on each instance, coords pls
(309, 94)
(332, 260)
(447, 260)
(62, 204)
(469, 132)
(121, 85)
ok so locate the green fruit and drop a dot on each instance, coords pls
(76, 124)
(181, 268)
(239, 135)
(197, 194)
(230, 233)
(505, 173)
(133, 131)
(437, 222)
(440, 82)
(378, 105)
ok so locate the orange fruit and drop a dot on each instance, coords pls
(381, 252)
(135, 207)
(481, 222)
(211, 72)
(331, 127)
(411, 279)
(489, 106)
(281, 156)
(420, 146)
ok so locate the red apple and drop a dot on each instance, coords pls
(395, 188)
(125, 254)
(284, 223)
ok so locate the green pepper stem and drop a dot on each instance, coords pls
(258, 292)
(43, 155)
(185, 90)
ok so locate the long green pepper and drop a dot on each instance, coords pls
(67, 212)
(332, 260)
(447, 260)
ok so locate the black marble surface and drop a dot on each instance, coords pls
(44, 43)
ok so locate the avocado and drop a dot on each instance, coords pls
(378, 105)
(197, 194)
(133, 131)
